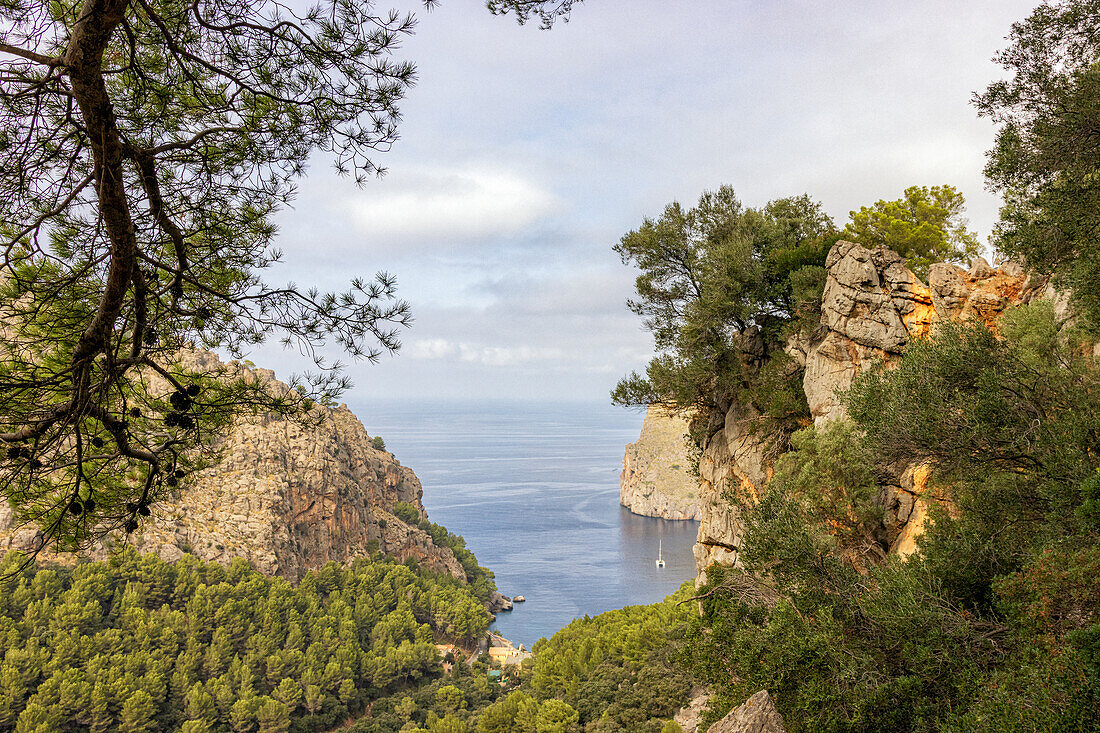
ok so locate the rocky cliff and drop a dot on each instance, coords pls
(872, 306)
(657, 480)
(286, 495)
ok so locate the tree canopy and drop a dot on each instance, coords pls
(718, 285)
(1046, 157)
(924, 226)
(137, 644)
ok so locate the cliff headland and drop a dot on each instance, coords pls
(286, 495)
(658, 479)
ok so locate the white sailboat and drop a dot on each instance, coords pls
(660, 559)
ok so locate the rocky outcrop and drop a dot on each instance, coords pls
(287, 495)
(657, 480)
(872, 307)
(499, 602)
(755, 715)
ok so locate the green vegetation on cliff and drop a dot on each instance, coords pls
(718, 286)
(993, 624)
(991, 619)
(480, 579)
(722, 288)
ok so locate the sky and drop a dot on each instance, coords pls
(525, 155)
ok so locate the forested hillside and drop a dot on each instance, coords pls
(138, 644)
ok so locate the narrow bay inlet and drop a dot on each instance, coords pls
(534, 490)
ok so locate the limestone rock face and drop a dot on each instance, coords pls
(872, 307)
(906, 509)
(856, 301)
(735, 458)
(286, 496)
(755, 715)
(656, 480)
(950, 290)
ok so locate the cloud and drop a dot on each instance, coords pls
(473, 353)
(429, 349)
(464, 203)
(526, 155)
(599, 290)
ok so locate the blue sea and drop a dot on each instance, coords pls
(534, 490)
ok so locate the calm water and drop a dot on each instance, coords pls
(534, 489)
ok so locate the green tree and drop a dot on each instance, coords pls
(1010, 424)
(617, 669)
(719, 286)
(146, 145)
(199, 704)
(406, 512)
(832, 474)
(449, 724)
(101, 719)
(37, 718)
(450, 698)
(555, 716)
(138, 713)
(272, 716)
(1021, 405)
(924, 226)
(1046, 157)
(502, 716)
(196, 726)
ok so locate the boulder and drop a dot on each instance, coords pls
(755, 715)
(980, 268)
(498, 602)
